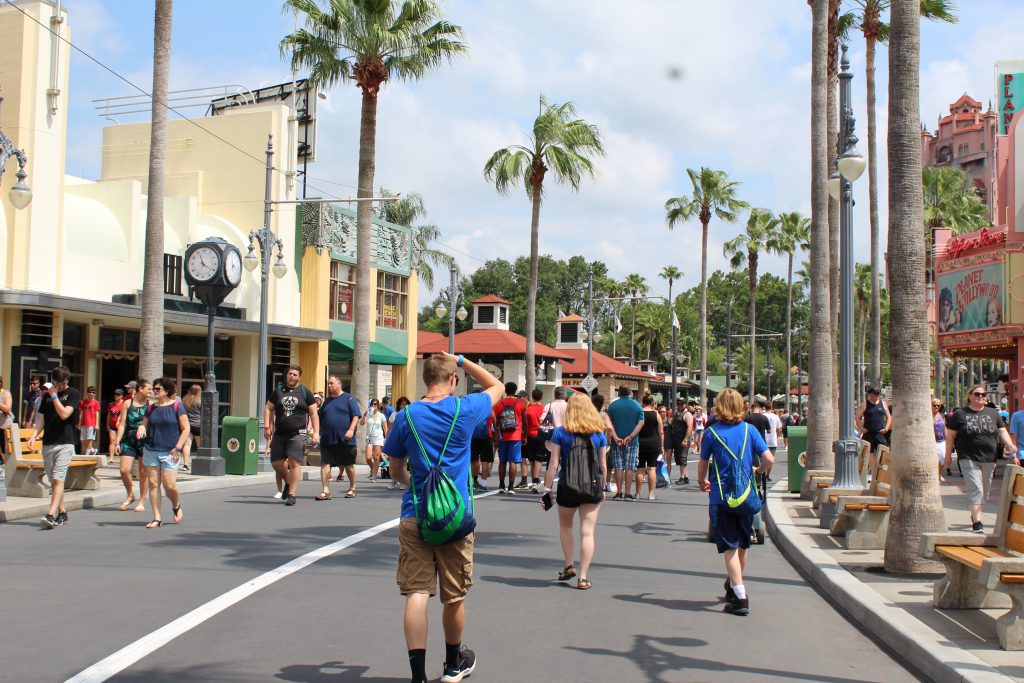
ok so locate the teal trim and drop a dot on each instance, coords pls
(341, 349)
(395, 339)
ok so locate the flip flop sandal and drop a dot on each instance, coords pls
(583, 584)
(177, 515)
(567, 573)
(322, 496)
(351, 493)
(127, 504)
(155, 524)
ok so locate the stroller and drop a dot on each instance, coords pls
(385, 468)
(757, 537)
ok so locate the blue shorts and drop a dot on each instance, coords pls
(625, 457)
(161, 459)
(510, 451)
(731, 530)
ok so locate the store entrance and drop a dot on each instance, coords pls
(114, 374)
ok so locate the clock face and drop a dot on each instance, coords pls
(233, 267)
(203, 264)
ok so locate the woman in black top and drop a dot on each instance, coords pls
(650, 442)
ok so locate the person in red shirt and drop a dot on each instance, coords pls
(536, 446)
(508, 425)
(88, 420)
(113, 414)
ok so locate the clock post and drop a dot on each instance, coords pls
(213, 268)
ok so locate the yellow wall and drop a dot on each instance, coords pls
(315, 313)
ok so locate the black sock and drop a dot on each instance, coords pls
(536, 480)
(451, 655)
(418, 664)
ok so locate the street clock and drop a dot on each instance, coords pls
(213, 268)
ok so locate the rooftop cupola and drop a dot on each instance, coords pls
(490, 313)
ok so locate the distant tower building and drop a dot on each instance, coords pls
(965, 139)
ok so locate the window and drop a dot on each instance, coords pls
(172, 274)
(504, 315)
(963, 150)
(73, 353)
(280, 351)
(343, 282)
(570, 333)
(392, 297)
(37, 328)
(485, 314)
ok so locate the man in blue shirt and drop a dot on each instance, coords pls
(1017, 432)
(627, 418)
(339, 416)
(421, 565)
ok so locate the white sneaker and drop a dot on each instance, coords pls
(394, 485)
(277, 495)
(535, 488)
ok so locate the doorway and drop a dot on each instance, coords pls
(114, 374)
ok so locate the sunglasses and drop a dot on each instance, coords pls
(158, 388)
(980, 394)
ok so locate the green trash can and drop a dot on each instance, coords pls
(239, 439)
(796, 455)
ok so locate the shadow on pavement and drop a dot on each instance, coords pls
(685, 605)
(661, 664)
(328, 672)
(522, 583)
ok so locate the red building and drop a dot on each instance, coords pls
(966, 139)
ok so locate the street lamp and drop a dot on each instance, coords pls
(266, 241)
(452, 293)
(591, 334)
(850, 166)
(20, 193)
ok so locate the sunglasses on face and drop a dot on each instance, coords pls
(979, 394)
(158, 389)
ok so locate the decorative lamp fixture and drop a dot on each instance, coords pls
(440, 311)
(833, 185)
(852, 163)
(462, 313)
(280, 268)
(249, 260)
(597, 336)
(20, 195)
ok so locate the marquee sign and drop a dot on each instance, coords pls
(958, 246)
(1011, 98)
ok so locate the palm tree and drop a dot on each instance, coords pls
(951, 202)
(671, 273)
(758, 236)
(151, 330)
(370, 42)
(637, 287)
(560, 143)
(713, 195)
(405, 212)
(916, 502)
(820, 356)
(653, 329)
(862, 290)
(876, 30)
(794, 234)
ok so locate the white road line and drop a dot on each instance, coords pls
(146, 645)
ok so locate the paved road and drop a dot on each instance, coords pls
(76, 595)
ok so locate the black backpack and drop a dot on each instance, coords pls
(581, 476)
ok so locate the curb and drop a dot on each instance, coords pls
(113, 496)
(921, 647)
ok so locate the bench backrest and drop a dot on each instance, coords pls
(863, 458)
(881, 477)
(24, 434)
(1010, 524)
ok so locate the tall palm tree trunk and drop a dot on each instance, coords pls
(364, 227)
(704, 314)
(151, 332)
(916, 506)
(531, 308)
(833, 205)
(789, 327)
(820, 358)
(752, 266)
(876, 294)
(632, 331)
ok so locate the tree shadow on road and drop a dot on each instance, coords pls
(330, 672)
(653, 655)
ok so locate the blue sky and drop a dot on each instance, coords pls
(741, 106)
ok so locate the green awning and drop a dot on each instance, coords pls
(379, 354)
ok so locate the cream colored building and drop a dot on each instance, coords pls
(72, 270)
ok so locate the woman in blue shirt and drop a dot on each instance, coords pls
(165, 430)
(731, 443)
(581, 420)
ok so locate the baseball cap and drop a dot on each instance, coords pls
(131, 385)
(118, 392)
(521, 394)
(873, 390)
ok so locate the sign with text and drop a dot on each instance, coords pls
(971, 299)
(1011, 98)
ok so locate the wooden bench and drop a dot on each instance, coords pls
(987, 571)
(821, 491)
(24, 468)
(863, 519)
(811, 480)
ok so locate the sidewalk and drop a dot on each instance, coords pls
(943, 645)
(111, 491)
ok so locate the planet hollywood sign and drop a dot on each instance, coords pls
(958, 246)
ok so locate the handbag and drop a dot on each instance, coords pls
(547, 426)
(742, 497)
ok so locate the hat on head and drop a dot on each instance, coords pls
(118, 392)
(873, 390)
(521, 393)
(131, 385)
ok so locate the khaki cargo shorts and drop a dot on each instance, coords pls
(420, 564)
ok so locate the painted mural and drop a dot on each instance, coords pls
(971, 299)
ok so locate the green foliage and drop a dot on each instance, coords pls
(713, 195)
(407, 211)
(951, 202)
